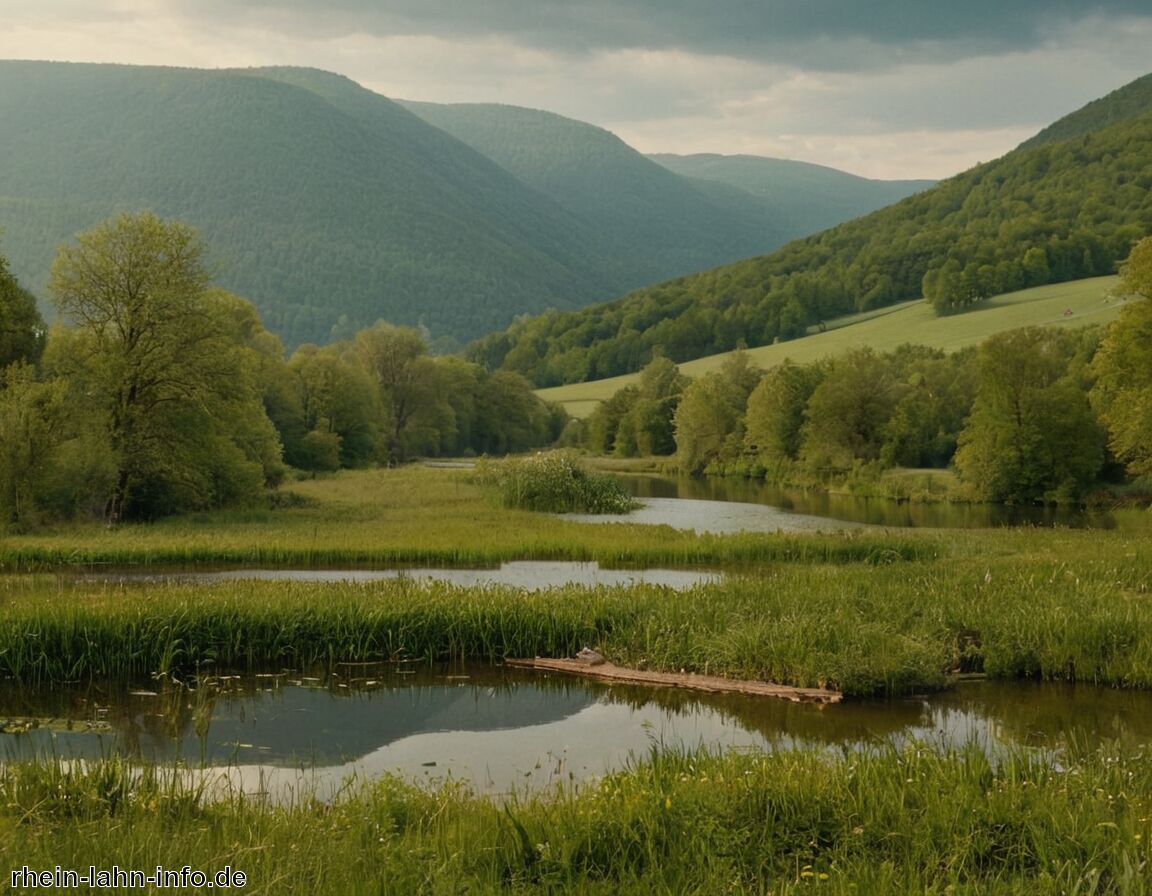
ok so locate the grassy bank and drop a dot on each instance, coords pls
(892, 822)
(413, 515)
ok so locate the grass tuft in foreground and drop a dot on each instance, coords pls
(893, 821)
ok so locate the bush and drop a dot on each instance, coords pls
(554, 482)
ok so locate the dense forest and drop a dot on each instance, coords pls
(330, 206)
(1038, 414)
(156, 392)
(1058, 210)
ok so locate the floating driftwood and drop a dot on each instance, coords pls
(690, 680)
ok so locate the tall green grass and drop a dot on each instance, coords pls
(1051, 605)
(894, 821)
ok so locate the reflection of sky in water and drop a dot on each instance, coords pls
(718, 517)
(530, 575)
(501, 730)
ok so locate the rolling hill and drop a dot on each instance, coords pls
(331, 206)
(808, 197)
(1059, 210)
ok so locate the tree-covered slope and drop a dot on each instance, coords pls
(328, 205)
(656, 223)
(807, 197)
(1129, 101)
(1041, 214)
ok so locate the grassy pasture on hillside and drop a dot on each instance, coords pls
(885, 329)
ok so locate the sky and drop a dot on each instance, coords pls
(882, 88)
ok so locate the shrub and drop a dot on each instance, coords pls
(554, 482)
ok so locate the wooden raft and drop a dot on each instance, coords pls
(690, 680)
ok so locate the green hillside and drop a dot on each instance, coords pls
(807, 197)
(309, 210)
(1130, 101)
(1075, 304)
(1045, 214)
(657, 223)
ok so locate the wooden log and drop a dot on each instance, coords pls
(709, 683)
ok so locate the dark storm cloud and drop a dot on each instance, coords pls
(833, 34)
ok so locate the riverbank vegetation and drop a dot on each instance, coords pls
(889, 821)
(866, 610)
(1038, 414)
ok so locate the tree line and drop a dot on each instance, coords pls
(157, 392)
(1031, 415)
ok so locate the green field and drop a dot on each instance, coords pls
(1089, 302)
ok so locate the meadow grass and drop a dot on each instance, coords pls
(890, 821)
(886, 329)
(1052, 604)
(411, 515)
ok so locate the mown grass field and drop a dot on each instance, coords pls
(871, 612)
(910, 322)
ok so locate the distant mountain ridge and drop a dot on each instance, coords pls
(810, 197)
(331, 206)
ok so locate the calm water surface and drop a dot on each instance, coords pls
(530, 575)
(715, 504)
(504, 730)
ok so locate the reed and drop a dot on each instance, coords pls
(893, 821)
(1068, 606)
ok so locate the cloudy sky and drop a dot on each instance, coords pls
(882, 88)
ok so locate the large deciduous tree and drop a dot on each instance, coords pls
(1032, 434)
(165, 359)
(21, 327)
(1122, 393)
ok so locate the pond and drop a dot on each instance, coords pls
(718, 504)
(530, 575)
(504, 730)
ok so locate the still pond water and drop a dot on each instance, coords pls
(715, 504)
(503, 730)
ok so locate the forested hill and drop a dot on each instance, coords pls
(808, 197)
(1130, 101)
(330, 206)
(667, 222)
(1059, 211)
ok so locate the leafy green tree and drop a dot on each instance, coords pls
(1122, 392)
(21, 327)
(160, 354)
(1136, 274)
(710, 417)
(1032, 434)
(340, 404)
(396, 359)
(31, 429)
(776, 412)
(848, 412)
(938, 391)
(511, 417)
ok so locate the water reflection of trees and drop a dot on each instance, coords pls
(369, 706)
(873, 511)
